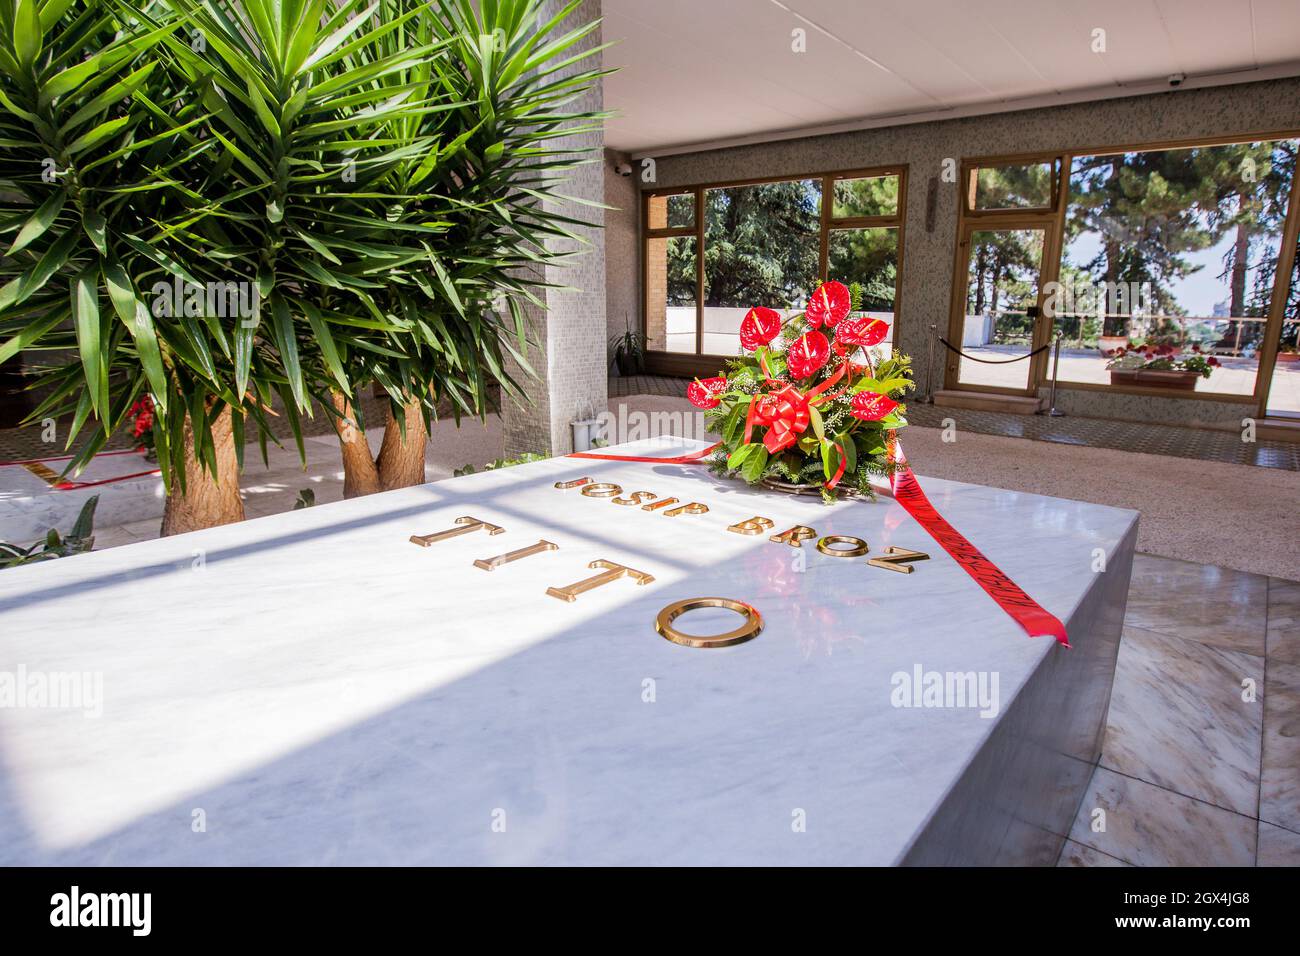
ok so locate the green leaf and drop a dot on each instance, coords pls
(819, 429)
(27, 31)
(738, 457)
(135, 316)
(90, 339)
(97, 135)
(41, 220)
(329, 352)
(96, 229)
(755, 464)
(287, 343)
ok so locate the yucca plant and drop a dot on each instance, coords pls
(385, 177)
(91, 149)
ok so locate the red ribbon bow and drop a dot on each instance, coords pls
(788, 418)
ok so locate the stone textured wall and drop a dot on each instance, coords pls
(622, 247)
(926, 289)
(571, 356)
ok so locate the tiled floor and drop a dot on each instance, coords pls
(1201, 760)
(1199, 443)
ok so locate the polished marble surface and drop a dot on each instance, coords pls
(1147, 825)
(1177, 719)
(1077, 854)
(1279, 796)
(1278, 847)
(1200, 602)
(322, 691)
(1283, 631)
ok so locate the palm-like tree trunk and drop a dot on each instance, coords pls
(400, 463)
(207, 500)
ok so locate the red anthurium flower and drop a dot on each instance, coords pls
(862, 331)
(872, 406)
(759, 327)
(807, 354)
(828, 304)
(704, 393)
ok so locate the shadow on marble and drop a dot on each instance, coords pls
(1177, 719)
(1147, 825)
(1279, 796)
(1283, 621)
(1199, 602)
(1278, 846)
(1076, 854)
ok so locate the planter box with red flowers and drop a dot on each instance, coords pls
(806, 408)
(1160, 366)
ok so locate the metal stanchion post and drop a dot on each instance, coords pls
(1056, 368)
(928, 398)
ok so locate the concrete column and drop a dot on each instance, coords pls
(572, 357)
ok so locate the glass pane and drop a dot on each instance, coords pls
(868, 257)
(1001, 286)
(672, 212)
(1172, 249)
(761, 248)
(877, 196)
(1284, 392)
(1022, 186)
(670, 294)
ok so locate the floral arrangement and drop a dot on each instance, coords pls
(1163, 358)
(811, 409)
(141, 414)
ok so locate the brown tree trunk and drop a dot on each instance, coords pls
(360, 474)
(401, 462)
(207, 500)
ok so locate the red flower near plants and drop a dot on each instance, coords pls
(759, 327)
(872, 406)
(142, 412)
(704, 393)
(862, 332)
(807, 354)
(828, 305)
(1213, 362)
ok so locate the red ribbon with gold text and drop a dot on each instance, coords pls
(906, 490)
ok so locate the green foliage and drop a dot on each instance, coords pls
(386, 177)
(833, 431)
(79, 540)
(499, 463)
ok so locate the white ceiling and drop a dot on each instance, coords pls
(695, 72)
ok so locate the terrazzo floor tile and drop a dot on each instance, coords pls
(1177, 719)
(1278, 847)
(1279, 797)
(1199, 602)
(1150, 826)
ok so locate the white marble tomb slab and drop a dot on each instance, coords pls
(313, 688)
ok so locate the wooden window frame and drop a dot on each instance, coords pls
(1054, 251)
(703, 363)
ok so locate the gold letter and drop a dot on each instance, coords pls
(755, 525)
(470, 524)
(489, 564)
(895, 559)
(612, 572)
(795, 537)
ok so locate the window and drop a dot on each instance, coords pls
(769, 244)
(1172, 248)
(1013, 186)
(1284, 389)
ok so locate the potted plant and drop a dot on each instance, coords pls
(1160, 366)
(628, 350)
